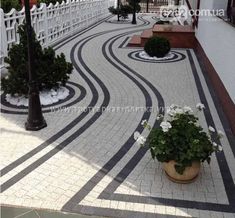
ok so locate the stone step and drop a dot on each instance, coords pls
(145, 35)
(179, 36)
(135, 41)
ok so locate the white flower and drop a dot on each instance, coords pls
(220, 148)
(144, 122)
(179, 111)
(159, 116)
(211, 129)
(141, 140)
(136, 135)
(174, 106)
(171, 112)
(220, 133)
(215, 144)
(165, 126)
(200, 106)
(187, 109)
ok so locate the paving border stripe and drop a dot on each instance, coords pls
(116, 213)
(62, 145)
(28, 155)
(224, 169)
(109, 194)
(188, 204)
(219, 108)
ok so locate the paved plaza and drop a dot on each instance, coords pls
(87, 162)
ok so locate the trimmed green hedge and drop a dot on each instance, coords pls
(52, 70)
(157, 46)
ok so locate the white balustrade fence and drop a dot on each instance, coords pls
(52, 23)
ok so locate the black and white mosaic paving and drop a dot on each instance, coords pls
(87, 161)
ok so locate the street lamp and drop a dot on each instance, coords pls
(147, 7)
(134, 12)
(118, 9)
(35, 119)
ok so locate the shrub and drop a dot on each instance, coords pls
(157, 46)
(7, 5)
(124, 10)
(162, 22)
(137, 6)
(113, 10)
(49, 1)
(51, 70)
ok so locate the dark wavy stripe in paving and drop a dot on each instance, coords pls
(72, 205)
(70, 125)
(109, 194)
(77, 133)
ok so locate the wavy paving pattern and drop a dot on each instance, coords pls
(91, 164)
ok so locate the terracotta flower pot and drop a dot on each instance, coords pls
(189, 175)
(31, 2)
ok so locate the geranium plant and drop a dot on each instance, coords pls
(180, 138)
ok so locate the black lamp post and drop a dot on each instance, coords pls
(35, 119)
(147, 8)
(134, 12)
(118, 9)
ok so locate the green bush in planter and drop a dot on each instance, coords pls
(51, 70)
(157, 46)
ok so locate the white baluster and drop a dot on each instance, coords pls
(3, 39)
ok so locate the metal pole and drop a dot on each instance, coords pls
(35, 119)
(118, 10)
(134, 12)
(147, 9)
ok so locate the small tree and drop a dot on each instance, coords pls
(137, 5)
(51, 70)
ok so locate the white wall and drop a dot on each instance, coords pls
(218, 41)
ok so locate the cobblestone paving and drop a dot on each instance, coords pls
(87, 161)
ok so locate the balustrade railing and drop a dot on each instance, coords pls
(52, 23)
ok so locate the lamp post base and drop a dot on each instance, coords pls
(35, 125)
(35, 119)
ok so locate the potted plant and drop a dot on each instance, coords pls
(180, 143)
